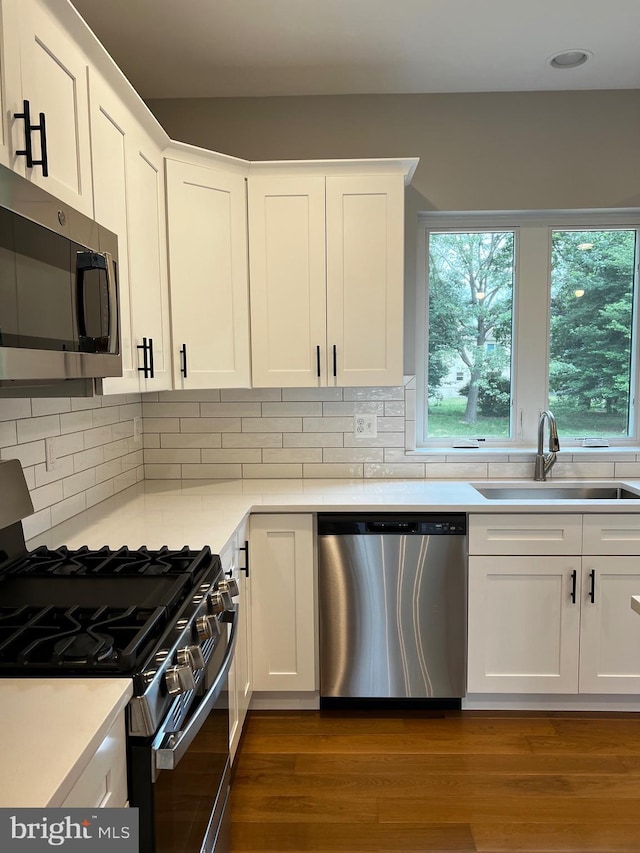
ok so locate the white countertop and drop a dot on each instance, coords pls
(206, 512)
(50, 729)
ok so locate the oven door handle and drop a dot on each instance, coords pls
(168, 749)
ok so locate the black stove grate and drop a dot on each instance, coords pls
(77, 639)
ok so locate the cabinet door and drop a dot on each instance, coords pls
(235, 565)
(611, 533)
(523, 625)
(148, 258)
(103, 782)
(283, 603)
(365, 279)
(208, 276)
(10, 85)
(288, 286)
(111, 125)
(54, 81)
(609, 628)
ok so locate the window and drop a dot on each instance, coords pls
(522, 313)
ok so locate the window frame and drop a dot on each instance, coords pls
(531, 314)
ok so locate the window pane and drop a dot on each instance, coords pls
(470, 330)
(591, 331)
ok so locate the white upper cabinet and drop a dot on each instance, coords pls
(365, 284)
(288, 280)
(54, 91)
(129, 200)
(326, 250)
(208, 272)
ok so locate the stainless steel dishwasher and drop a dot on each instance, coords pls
(393, 606)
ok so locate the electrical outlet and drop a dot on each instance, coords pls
(50, 457)
(137, 430)
(365, 426)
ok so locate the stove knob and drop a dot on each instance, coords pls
(207, 627)
(179, 679)
(191, 656)
(220, 601)
(230, 586)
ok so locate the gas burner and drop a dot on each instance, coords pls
(88, 647)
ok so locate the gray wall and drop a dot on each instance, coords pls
(486, 151)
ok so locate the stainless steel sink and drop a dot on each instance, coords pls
(544, 492)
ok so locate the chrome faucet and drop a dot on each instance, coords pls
(546, 461)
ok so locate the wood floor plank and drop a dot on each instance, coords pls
(582, 837)
(294, 807)
(509, 809)
(350, 838)
(349, 784)
(540, 764)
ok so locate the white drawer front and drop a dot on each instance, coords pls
(611, 534)
(525, 534)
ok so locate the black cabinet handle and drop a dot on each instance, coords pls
(151, 370)
(145, 358)
(183, 354)
(592, 586)
(318, 360)
(27, 151)
(335, 361)
(574, 581)
(245, 548)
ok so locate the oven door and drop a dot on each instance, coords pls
(180, 781)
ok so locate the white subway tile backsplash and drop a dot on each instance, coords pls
(49, 405)
(99, 493)
(291, 409)
(387, 439)
(312, 439)
(64, 445)
(250, 395)
(114, 449)
(130, 410)
(81, 404)
(341, 424)
(352, 454)
(333, 470)
(395, 392)
(150, 425)
(8, 433)
(395, 471)
(359, 407)
(231, 455)
(124, 480)
(171, 410)
(310, 395)
(186, 440)
(135, 459)
(583, 469)
(204, 396)
(456, 470)
(271, 424)
(76, 421)
(212, 471)
(37, 523)
(273, 471)
(104, 417)
(47, 495)
(163, 472)
(231, 410)
(506, 470)
(37, 428)
(79, 482)
(88, 459)
(283, 455)
(28, 454)
(14, 409)
(167, 456)
(627, 469)
(209, 425)
(63, 468)
(249, 439)
(99, 435)
(108, 471)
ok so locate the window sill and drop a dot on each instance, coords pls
(524, 454)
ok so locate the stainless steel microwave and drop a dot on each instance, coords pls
(58, 291)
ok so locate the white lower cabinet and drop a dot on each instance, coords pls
(235, 563)
(103, 782)
(283, 612)
(553, 622)
(523, 626)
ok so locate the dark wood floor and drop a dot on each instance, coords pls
(332, 782)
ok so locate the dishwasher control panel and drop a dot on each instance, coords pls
(400, 524)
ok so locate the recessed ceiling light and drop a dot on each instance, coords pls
(569, 58)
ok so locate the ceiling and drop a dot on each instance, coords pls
(225, 48)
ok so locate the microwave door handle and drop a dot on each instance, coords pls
(82, 319)
(112, 334)
(168, 757)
